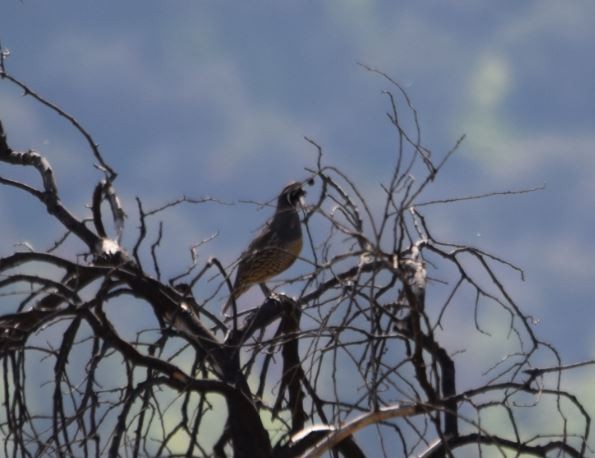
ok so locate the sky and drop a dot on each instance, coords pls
(205, 98)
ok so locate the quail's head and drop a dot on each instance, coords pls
(291, 195)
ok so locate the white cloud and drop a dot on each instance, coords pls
(570, 20)
(112, 61)
(499, 144)
(534, 154)
(195, 77)
(490, 81)
(571, 259)
(21, 121)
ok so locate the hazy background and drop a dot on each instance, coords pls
(214, 98)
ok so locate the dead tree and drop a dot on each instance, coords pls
(354, 365)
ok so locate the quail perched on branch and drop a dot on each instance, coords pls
(275, 248)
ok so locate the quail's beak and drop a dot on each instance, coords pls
(302, 200)
(309, 182)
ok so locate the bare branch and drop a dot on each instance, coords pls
(124, 363)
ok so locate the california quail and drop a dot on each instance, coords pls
(275, 248)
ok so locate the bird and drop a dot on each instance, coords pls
(275, 248)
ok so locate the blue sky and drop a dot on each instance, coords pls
(214, 98)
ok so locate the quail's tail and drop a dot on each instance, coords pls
(235, 294)
(227, 305)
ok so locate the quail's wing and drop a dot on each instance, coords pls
(266, 237)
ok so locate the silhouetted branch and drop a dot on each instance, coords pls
(360, 347)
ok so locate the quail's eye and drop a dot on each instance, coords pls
(292, 197)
